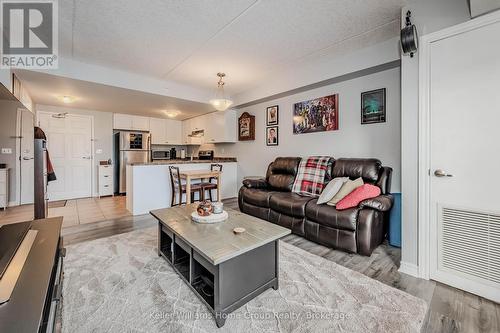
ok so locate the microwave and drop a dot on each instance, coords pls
(160, 154)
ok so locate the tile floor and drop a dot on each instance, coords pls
(77, 211)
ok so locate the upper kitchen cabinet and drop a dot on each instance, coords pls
(174, 132)
(188, 126)
(158, 132)
(130, 122)
(165, 131)
(220, 127)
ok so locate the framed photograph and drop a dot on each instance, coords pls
(373, 107)
(272, 115)
(316, 115)
(246, 127)
(272, 136)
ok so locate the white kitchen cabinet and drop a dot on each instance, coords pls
(188, 126)
(158, 132)
(130, 122)
(165, 131)
(220, 127)
(140, 123)
(105, 180)
(122, 121)
(173, 130)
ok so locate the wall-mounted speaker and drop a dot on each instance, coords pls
(409, 37)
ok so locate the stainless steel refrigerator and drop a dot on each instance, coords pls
(130, 147)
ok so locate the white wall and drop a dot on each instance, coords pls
(103, 134)
(428, 16)
(381, 141)
(8, 123)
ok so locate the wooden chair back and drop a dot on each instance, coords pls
(215, 167)
(175, 179)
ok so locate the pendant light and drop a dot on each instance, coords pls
(220, 102)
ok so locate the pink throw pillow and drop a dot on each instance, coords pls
(353, 199)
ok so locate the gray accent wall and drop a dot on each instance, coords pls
(381, 141)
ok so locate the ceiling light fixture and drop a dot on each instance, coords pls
(220, 102)
(67, 99)
(172, 114)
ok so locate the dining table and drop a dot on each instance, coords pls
(189, 175)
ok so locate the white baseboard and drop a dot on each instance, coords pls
(13, 203)
(408, 268)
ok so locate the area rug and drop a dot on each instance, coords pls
(119, 284)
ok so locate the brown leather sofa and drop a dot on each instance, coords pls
(359, 230)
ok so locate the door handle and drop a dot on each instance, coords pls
(27, 158)
(441, 173)
(86, 157)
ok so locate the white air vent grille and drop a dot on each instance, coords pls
(470, 243)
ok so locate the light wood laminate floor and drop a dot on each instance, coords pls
(75, 212)
(450, 309)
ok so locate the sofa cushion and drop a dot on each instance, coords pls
(332, 188)
(281, 173)
(346, 188)
(367, 168)
(367, 191)
(289, 203)
(329, 216)
(257, 197)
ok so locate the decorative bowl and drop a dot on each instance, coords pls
(204, 208)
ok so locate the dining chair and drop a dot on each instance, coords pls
(178, 189)
(210, 185)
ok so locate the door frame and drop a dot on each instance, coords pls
(19, 137)
(425, 245)
(93, 172)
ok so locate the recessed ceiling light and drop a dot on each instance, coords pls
(172, 114)
(67, 99)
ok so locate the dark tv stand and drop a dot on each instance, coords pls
(36, 298)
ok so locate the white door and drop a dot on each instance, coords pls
(69, 143)
(26, 156)
(464, 102)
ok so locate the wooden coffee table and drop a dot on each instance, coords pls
(224, 269)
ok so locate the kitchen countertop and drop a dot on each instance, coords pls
(186, 161)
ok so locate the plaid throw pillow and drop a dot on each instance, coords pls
(310, 178)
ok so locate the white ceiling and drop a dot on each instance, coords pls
(189, 41)
(49, 89)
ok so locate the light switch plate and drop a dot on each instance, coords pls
(6, 150)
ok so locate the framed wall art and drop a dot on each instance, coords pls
(246, 127)
(272, 115)
(316, 115)
(272, 136)
(373, 107)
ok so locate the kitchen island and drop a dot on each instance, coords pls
(149, 186)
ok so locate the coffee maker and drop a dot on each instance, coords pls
(173, 154)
